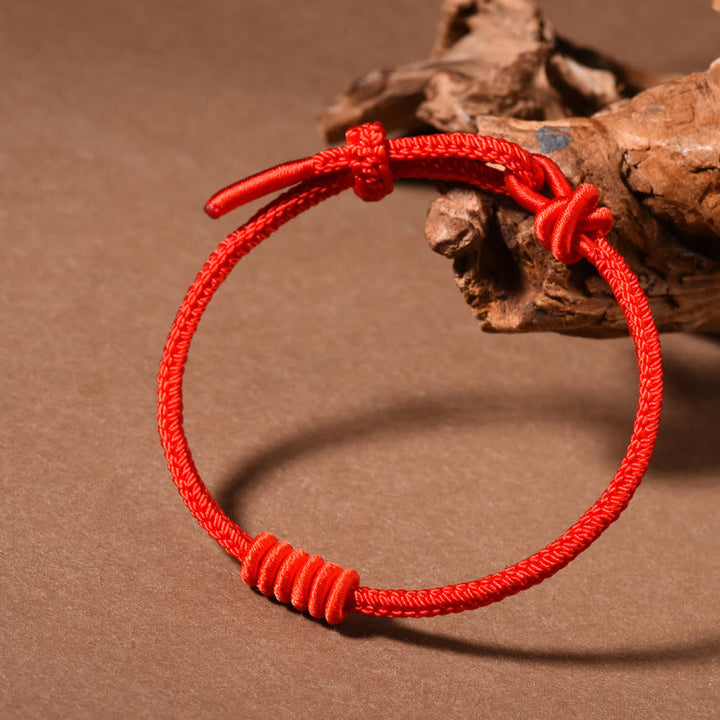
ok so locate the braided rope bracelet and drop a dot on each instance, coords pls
(569, 224)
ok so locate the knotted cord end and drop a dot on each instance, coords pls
(562, 222)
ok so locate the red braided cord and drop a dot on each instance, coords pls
(569, 224)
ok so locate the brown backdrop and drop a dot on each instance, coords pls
(339, 394)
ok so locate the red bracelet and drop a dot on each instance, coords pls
(569, 224)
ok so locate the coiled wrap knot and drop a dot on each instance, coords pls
(293, 576)
(367, 152)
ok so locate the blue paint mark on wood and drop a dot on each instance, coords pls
(551, 139)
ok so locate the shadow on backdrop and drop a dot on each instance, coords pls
(691, 650)
(690, 424)
(687, 444)
(405, 415)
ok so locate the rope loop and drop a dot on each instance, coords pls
(570, 224)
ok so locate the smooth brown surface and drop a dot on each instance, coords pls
(339, 394)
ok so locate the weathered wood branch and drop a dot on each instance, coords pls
(498, 69)
(491, 57)
(660, 178)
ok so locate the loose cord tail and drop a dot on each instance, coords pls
(569, 224)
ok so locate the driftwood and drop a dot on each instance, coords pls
(651, 144)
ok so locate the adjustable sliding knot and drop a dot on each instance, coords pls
(367, 153)
(294, 577)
